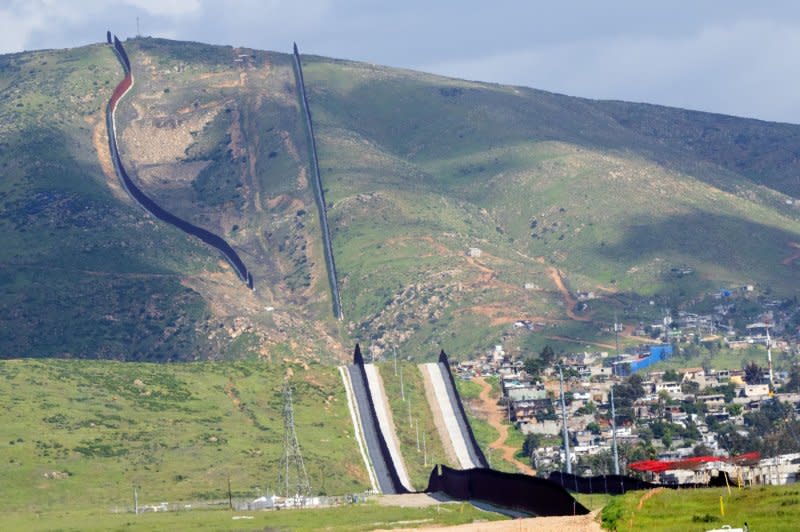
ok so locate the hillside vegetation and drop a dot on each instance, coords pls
(83, 434)
(558, 193)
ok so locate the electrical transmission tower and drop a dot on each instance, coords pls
(292, 477)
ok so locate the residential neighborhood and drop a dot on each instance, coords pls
(701, 413)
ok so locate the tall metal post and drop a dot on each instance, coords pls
(410, 421)
(292, 472)
(564, 417)
(613, 411)
(614, 432)
(769, 362)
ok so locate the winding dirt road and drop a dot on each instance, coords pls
(495, 419)
(557, 278)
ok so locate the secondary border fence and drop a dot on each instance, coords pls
(611, 484)
(140, 197)
(319, 192)
(517, 491)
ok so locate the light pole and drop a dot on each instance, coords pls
(564, 417)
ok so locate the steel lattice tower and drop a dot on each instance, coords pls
(292, 476)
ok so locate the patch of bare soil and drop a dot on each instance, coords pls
(232, 395)
(154, 139)
(100, 143)
(581, 341)
(171, 176)
(578, 523)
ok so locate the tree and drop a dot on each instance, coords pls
(627, 392)
(672, 376)
(734, 443)
(752, 373)
(547, 356)
(701, 449)
(690, 387)
(794, 380)
(531, 443)
(533, 367)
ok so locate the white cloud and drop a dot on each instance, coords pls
(169, 8)
(744, 68)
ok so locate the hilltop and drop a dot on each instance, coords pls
(553, 194)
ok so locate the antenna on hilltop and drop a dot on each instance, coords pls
(138, 33)
(292, 476)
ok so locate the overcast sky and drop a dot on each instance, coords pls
(725, 56)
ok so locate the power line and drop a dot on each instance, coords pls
(292, 476)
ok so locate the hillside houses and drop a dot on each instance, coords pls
(677, 412)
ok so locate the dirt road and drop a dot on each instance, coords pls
(495, 419)
(578, 523)
(556, 277)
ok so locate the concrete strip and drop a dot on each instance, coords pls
(449, 416)
(438, 420)
(356, 419)
(386, 422)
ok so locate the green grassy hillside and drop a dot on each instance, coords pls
(82, 434)
(554, 190)
(420, 168)
(762, 508)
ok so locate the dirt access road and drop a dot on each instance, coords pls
(578, 523)
(495, 418)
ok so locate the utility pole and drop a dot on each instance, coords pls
(769, 362)
(614, 432)
(410, 422)
(135, 501)
(138, 33)
(613, 411)
(564, 417)
(230, 496)
(395, 361)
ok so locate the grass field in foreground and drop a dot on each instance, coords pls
(773, 508)
(81, 434)
(355, 517)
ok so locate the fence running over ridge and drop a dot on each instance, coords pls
(510, 490)
(319, 193)
(143, 200)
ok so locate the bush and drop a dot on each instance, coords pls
(612, 514)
